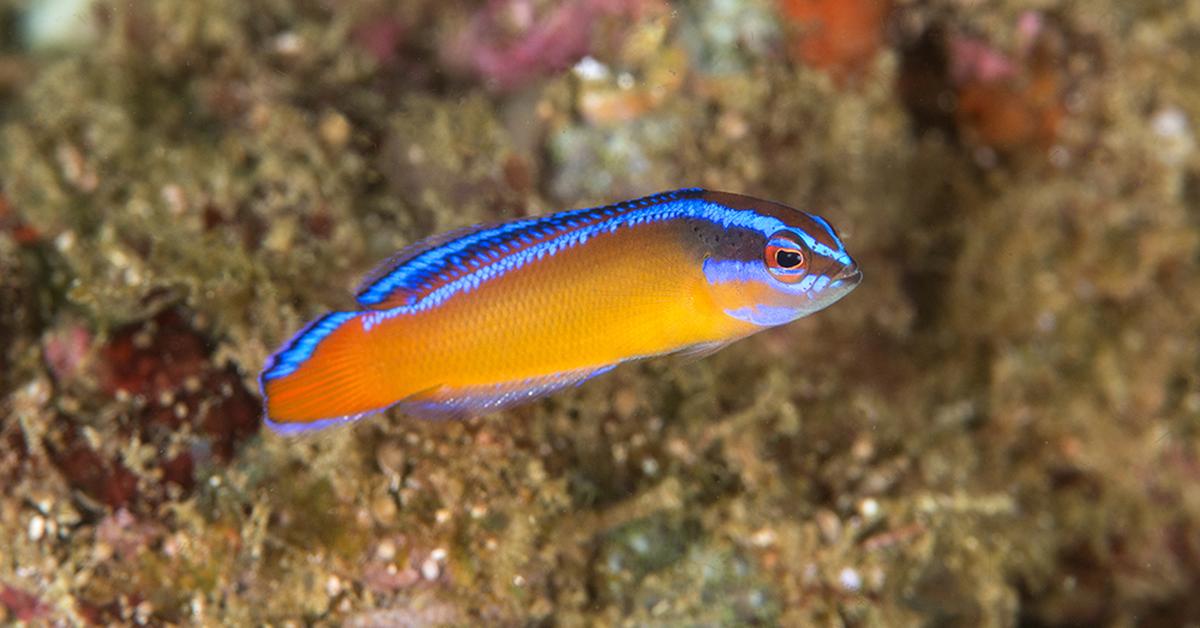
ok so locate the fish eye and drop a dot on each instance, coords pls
(785, 258)
(788, 258)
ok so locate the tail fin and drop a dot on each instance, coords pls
(323, 376)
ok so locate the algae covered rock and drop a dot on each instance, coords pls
(1000, 426)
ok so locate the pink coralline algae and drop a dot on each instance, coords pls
(169, 364)
(126, 534)
(1007, 101)
(512, 42)
(21, 605)
(1004, 100)
(108, 482)
(381, 38)
(976, 60)
(164, 367)
(65, 351)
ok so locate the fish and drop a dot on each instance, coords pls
(490, 316)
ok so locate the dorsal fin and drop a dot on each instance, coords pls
(403, 295)
(421, 268)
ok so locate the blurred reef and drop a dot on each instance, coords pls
(1000, 427)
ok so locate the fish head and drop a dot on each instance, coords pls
(782, 265)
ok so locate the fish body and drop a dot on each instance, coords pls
(490, 316)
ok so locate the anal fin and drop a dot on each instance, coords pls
(702, 350)
(448, 402)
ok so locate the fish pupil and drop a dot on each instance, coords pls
(788, 259)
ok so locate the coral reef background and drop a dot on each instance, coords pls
(1001, 426)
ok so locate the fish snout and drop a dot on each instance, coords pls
(849, 276)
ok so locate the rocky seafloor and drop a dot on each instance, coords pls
(1001, 426)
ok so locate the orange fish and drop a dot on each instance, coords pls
(494, 315)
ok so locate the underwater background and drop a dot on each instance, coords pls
(999, 427)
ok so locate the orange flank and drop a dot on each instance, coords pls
(566, 314)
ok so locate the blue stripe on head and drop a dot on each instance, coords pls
(838, 256)
(826, 226)
(765, 315)
(289, 359)
(718, 271)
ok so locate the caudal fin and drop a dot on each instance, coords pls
(325, 375)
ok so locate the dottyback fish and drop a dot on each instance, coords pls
(489, 316)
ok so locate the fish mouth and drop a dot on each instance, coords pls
(848, 277)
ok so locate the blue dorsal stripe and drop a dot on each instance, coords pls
(303, 344)
(455, 256)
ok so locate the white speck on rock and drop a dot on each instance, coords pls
(589, 69)
(850, 580)
(430, 569)
(37, 527)
(1171, 124)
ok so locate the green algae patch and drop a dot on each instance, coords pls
(629, 553)
(312, 517)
